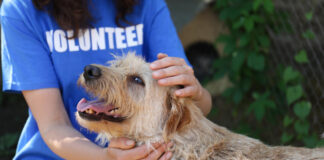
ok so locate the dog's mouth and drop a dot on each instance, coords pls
(97, 110)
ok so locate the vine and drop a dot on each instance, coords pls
(269, 94)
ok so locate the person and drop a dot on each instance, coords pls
(46, 44)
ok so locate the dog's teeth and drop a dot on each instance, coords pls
(91, 111)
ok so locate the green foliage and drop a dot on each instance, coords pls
(8, 143)
(309, 15)
(301, 57)
(259, 89)
(294, 93)
(289, 74)
(302, 109)
(309, 34)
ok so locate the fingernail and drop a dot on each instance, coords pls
(162, 81)
(178, 93)
(152, 65)
(169, 155)
(129, 142)
(156, 73)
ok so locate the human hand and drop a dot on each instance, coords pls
(170, 71)
(124, 149)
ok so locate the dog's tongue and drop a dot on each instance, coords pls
(95, 105)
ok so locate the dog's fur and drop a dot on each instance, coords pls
(153, 114)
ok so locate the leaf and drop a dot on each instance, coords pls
(244, 40)
(219, 74)
(309, 34)
(310, 141)
(229, 48)
(286, 137)
(270, 104)
(290, 74)
(238, 61)
(224, 38)
(302, 109)
(257, 4)
(268, 6)
(320, 143)
(238, 96)
(8, 140)
(238, 24)
(294, 93)
(258, 108)
(287, 121)
(219, 63)
(301, 57)
(256, 61)
(246, 84)
(255, 95)
(309, 15)
(249, 24)
(301, 127)
(264, 41)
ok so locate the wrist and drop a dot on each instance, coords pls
(103, 154)
(199, 94)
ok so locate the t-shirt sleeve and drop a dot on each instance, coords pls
(26, 63)
(161, 35)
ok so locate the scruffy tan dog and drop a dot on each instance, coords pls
(131, 104)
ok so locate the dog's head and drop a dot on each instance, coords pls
(130, 103)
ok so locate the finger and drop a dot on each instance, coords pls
(121, 143)
(141, 151)
(161, 55)
(183, 79)
(188, 91)
(166, 156)
(172, 71)
(167, 62)
(154, 155)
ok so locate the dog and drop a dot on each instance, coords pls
(130, 103)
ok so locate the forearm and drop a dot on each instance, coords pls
(55, 127)
(68, 143)
(204, 102)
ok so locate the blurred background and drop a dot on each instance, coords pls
(262, 61)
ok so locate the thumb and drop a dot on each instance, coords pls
(121, 143)
(161, 55)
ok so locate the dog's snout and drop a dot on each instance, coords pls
(91, 72)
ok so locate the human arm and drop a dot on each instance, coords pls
(54, 125)
(171, 71)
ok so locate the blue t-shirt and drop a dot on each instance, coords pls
(36, 54)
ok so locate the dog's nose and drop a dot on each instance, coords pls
(91, 72)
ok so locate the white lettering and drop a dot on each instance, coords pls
(98, 39)
(139, 31)
(49, 39)
(71, 42)
(110, 32)
(95, 39)
(60, 43)
(84, 40)
(130, 35)
(120, 38)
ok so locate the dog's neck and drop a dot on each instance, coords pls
(192, 141)
(197, 139)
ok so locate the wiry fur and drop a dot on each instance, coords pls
(155, 114)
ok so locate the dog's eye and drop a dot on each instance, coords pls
(137, 80)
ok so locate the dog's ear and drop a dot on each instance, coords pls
(178, 115)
